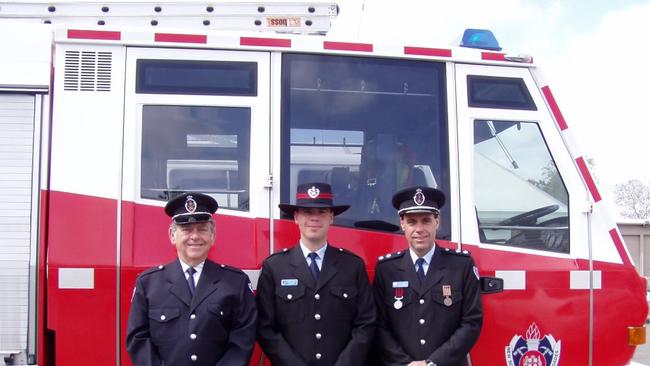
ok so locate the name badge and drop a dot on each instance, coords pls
(289, 282)
(400, 284)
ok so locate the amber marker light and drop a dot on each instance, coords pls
(636, 335)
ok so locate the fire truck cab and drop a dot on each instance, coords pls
(104, 117)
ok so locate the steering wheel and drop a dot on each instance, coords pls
(529, 216)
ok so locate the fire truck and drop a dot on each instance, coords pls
(109, 109)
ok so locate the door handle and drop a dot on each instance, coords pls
(491, 285)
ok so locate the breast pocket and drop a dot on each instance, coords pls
(222, 318)
(163, 323)
(289, 304)
(344, 302)
(448, 298)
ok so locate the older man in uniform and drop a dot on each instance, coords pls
(428, 298)
(315, 301)
(192, 311)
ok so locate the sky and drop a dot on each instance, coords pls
(593, 54)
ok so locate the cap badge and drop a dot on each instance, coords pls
(418, 198)
(190, 204)
(313, 192)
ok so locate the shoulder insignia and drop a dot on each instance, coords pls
(346, 251)
(152, 270)
(233, 269)
(389, 256)
(463, 253)
(282, 251)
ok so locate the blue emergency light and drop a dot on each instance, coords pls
(480, 38)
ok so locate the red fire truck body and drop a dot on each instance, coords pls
(101, 124)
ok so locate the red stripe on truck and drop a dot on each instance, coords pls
(559, 118)
(589, 180)
(181, 38)
(345, 46)
(94, 34)
(422, 51)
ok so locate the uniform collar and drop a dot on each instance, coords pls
(306, 251)
(427, 257)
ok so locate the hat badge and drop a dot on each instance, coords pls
(190, 204)
(418, 198)
(313, 192)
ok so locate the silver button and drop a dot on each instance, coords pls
(317, 297)
(193, 316)
(192, 336)
(421, 301)
(317, 316)
(221, 313)
(345, 295)
(421, 321)
(162, 317)
(319, 336)
(289, 297)
(193, 357)
(422, 341)
(318, 356)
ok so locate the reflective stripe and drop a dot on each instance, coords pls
(76, 278)
(580, 280)
(512, 280)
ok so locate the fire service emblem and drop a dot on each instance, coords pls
(533, 350)
(313, 192)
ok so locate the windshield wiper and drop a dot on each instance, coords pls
(493, 132)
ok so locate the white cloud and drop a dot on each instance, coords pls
(602, 86)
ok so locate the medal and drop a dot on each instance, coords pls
(399, 295)
(446, 292)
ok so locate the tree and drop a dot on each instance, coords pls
(634, 198)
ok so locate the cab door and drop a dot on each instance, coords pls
(195, 120)
(523, 218)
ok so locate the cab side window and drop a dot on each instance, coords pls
(521, 199)
(196, 148)
(367, 126)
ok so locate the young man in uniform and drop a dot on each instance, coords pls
(428, 298)
(315, 301)
(192, 311)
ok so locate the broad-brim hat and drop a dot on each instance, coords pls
(191, 207)
(313, 195)
(418, 200)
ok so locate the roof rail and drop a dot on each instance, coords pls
(282, 17)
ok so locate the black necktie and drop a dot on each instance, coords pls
(420, 263)
(313, 266)
(190, 279)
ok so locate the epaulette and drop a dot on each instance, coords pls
(464, 253)
(342, 250)
(283, 251)
(152, 270)
(233, 269)
(389, 256)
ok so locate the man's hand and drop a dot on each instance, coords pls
(418, 363)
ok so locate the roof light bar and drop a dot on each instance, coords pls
(480, 38)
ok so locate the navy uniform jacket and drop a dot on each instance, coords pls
(301, 322)
(426, 326)
(168, 327)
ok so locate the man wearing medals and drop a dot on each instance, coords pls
(315, 301)
(428, 298)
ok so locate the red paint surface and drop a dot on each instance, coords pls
(82, 234)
